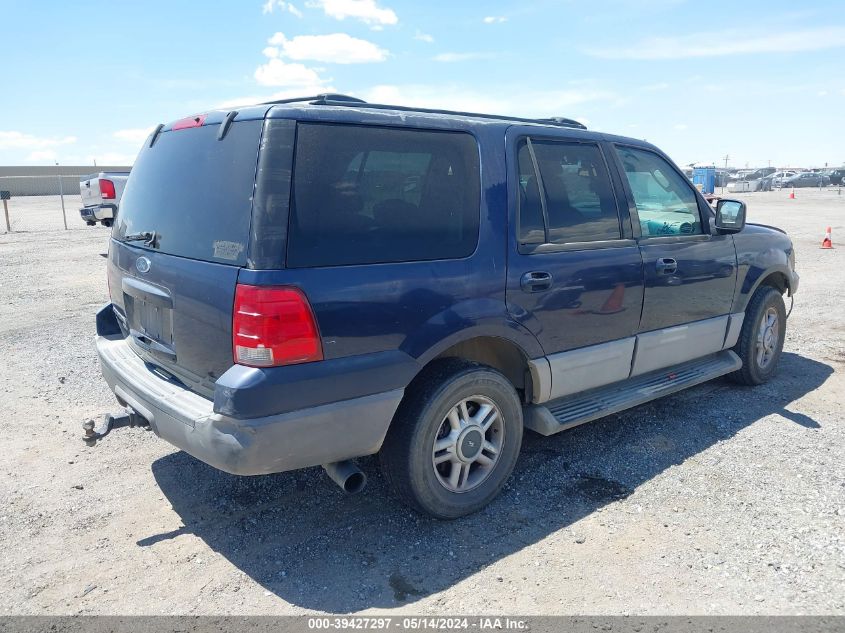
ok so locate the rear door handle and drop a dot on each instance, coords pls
(666, 266)
(536, 281)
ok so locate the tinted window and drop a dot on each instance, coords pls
(578, 197)
(665, 201)
(195, 192)
(368, 195)
(532, 229)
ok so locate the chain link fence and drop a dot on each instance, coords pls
(41, 213)
(44, 198)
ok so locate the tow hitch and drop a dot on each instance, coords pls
(111, 421)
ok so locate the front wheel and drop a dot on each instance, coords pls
(454, 440)
(761, 339)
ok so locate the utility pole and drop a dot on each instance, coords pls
(725, 175)
(62, 194)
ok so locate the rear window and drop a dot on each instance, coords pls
(195, 192)
(364, 195)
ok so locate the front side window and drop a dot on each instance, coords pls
(364, 195)
(577, 202)
(665, 202)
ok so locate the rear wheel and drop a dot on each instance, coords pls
(761, 340)
(454, 440)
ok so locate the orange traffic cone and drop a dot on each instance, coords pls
(827, 242)
(792, 194)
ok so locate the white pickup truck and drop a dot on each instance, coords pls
(101, 196)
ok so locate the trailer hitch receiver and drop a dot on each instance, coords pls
(94, 432)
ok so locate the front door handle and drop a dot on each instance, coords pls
(536, 281)
(666, 266)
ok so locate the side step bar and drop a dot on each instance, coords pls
(565, 413)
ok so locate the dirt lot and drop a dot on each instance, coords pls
(720, 499)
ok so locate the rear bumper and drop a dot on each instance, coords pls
(254, 446)
(100, 212)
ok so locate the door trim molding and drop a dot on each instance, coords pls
(566, 373)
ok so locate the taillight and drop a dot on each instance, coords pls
(106, 189)
(272, 326)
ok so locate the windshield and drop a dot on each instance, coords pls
(192, 193)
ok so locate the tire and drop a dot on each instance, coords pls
(106, 223)
(759, 347)
(431, 412)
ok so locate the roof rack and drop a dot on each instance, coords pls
(330, 99)
(321, 99)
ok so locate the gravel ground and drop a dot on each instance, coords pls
(718, 500)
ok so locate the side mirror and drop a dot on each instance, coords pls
(730, 216)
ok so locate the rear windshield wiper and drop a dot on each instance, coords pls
(148, 237)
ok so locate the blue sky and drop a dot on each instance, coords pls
(758, 80)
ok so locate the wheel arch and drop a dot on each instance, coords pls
(506, 348)
(501, 354)
(777, 277)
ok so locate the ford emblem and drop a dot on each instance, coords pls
(142, 264)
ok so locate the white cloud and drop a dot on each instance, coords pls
(680, 126)
(423, 37)
(19, 140)
(461, 57)
(271, 5)
(728, 42)
(280, 73)
(365, 10)
(337, 48)
(495, 19)
(133, 135)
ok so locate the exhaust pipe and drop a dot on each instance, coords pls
(346, 475)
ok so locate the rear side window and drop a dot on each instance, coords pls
(575, 198)
(364, 195)
(195, 192)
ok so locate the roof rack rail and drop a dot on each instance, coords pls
(320, 99)
(560, 121)
(331, 99)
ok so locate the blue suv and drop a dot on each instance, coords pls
(309, 281)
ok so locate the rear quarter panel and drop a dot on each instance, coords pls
(418, 307)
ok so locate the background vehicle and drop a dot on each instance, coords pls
(757, 180)
(806, 179)
(101, 195)
(422, 287)
(779, 176)
(836, 175)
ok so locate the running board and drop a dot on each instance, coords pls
(565, 413)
